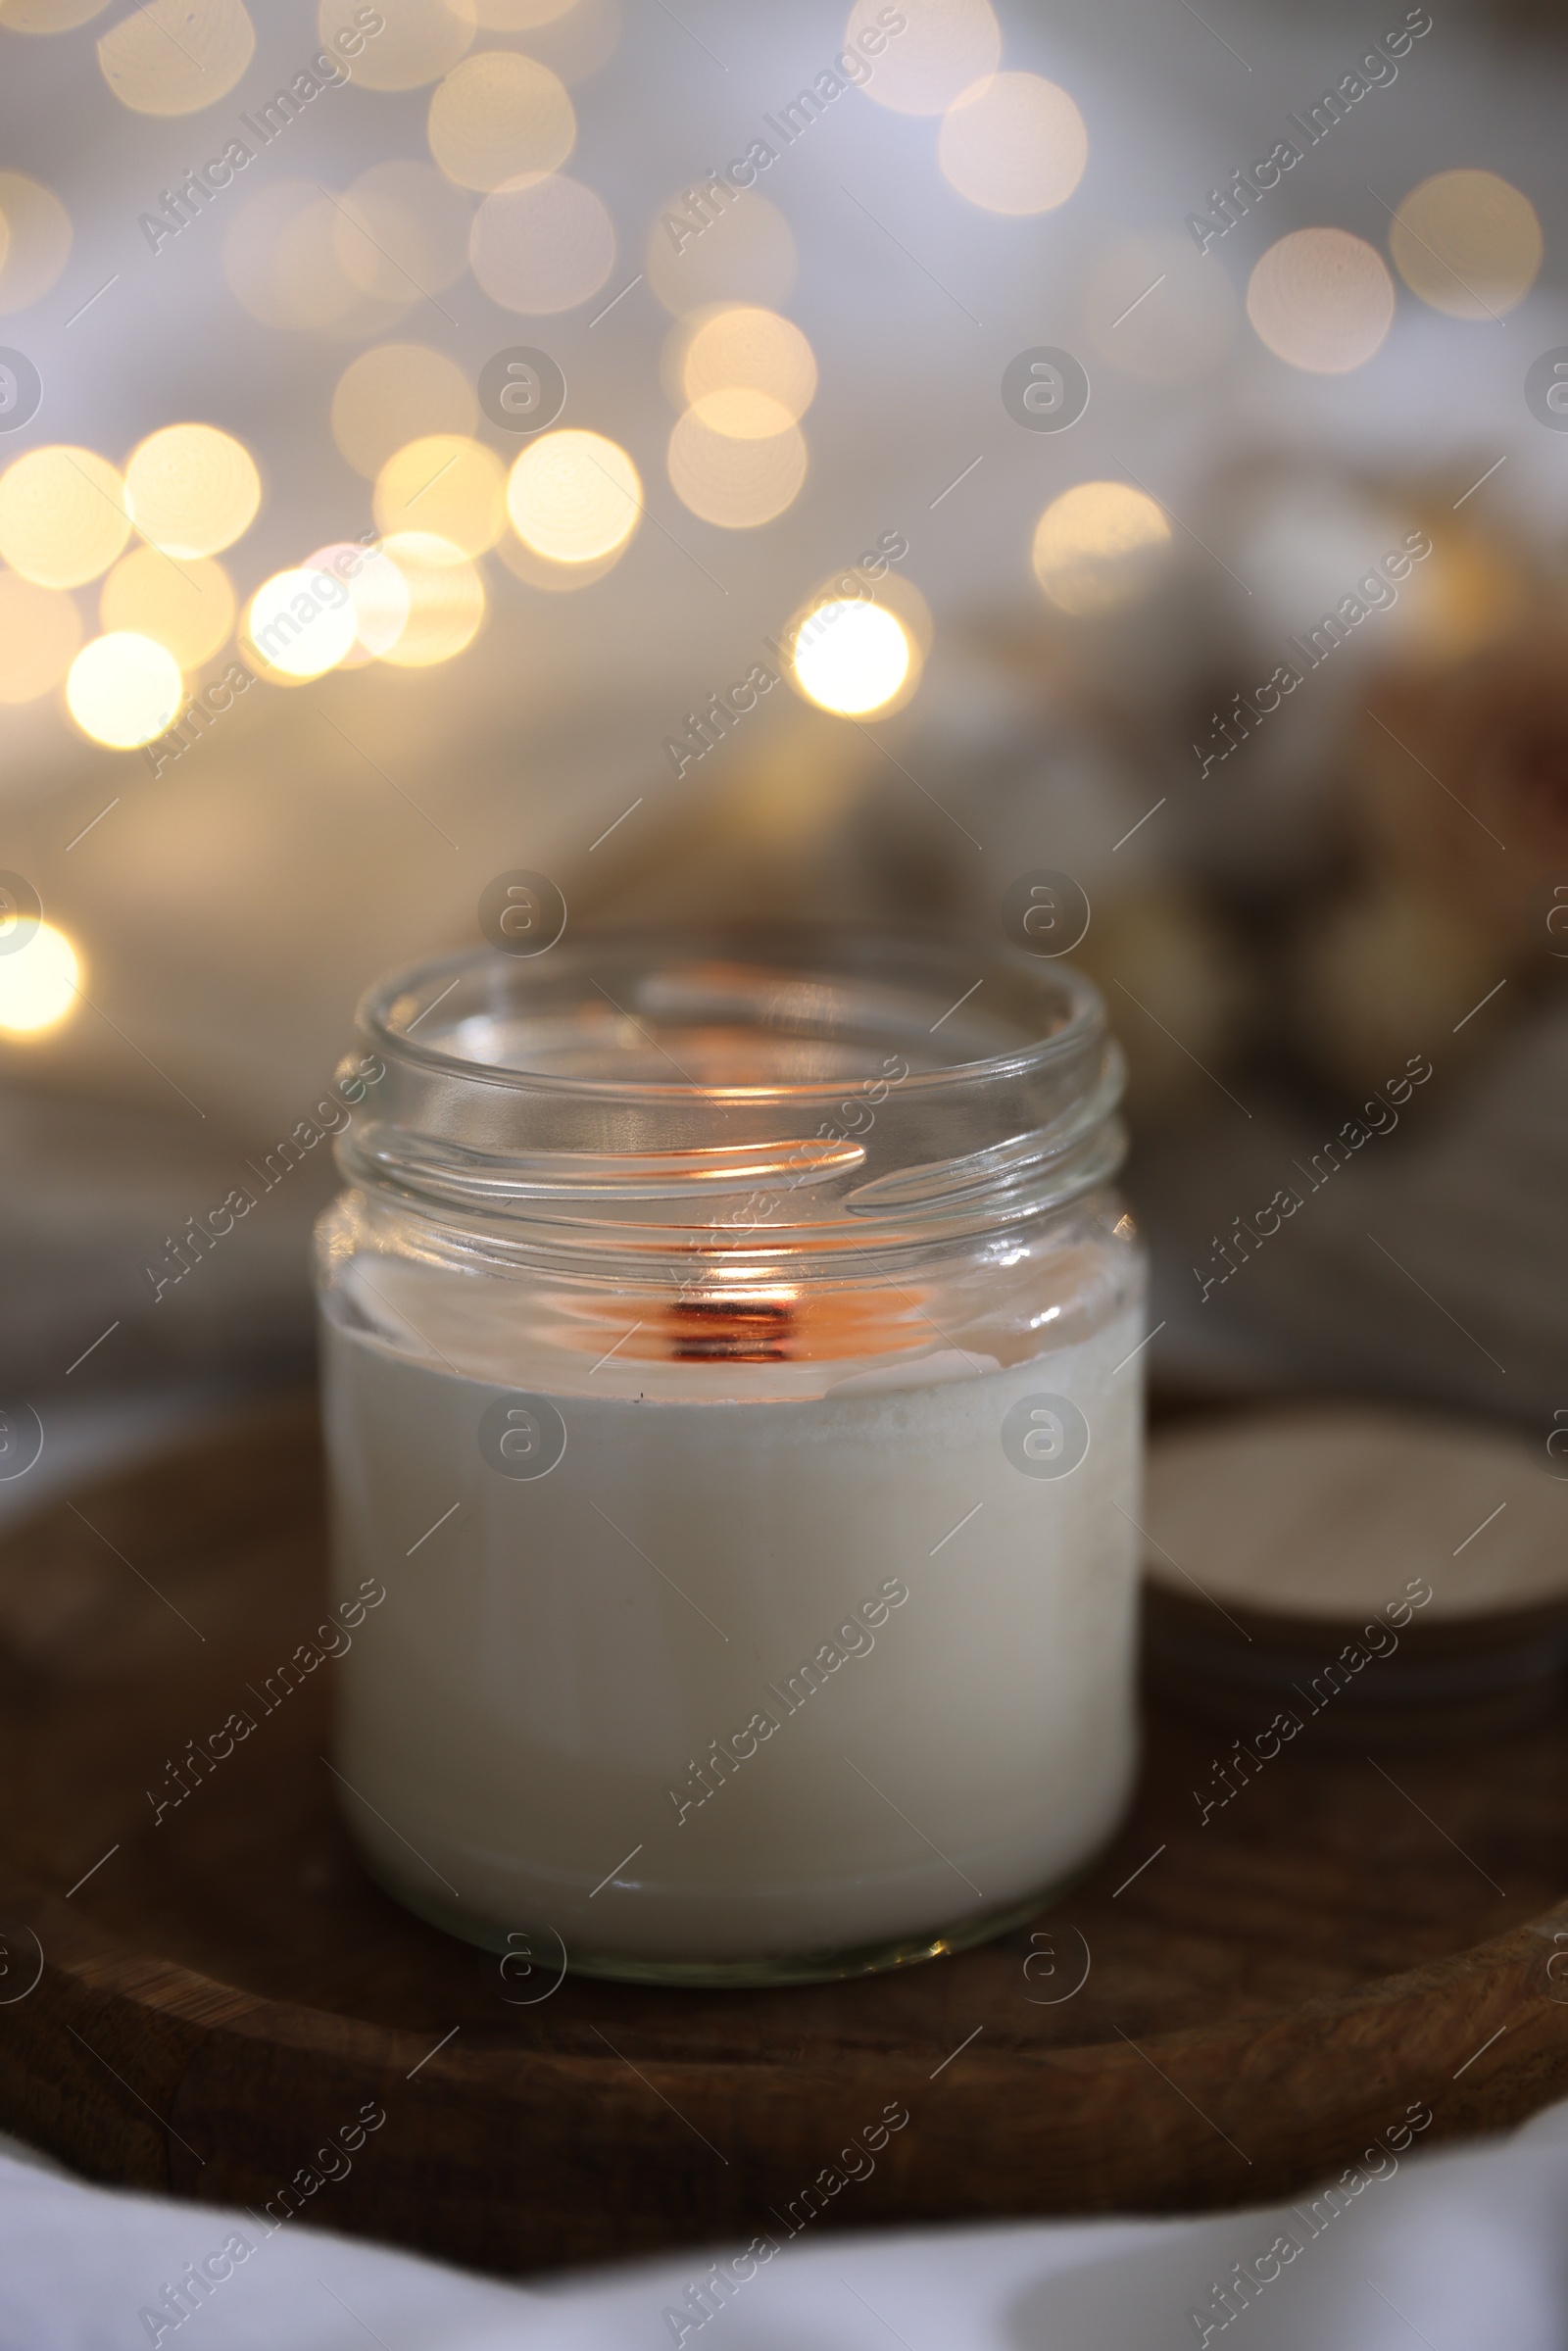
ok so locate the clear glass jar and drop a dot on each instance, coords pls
(731, 1378)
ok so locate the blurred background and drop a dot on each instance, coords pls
(425, 428)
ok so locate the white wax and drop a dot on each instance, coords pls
(525, 1714)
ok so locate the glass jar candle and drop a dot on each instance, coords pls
(731, 1376)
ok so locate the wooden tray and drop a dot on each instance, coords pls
(205, 2005)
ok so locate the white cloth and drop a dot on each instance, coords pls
(1461, 2250)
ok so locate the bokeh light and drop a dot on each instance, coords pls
(1099, 546)
(1468, 243)
(38, 984)
(736, 480)
(519, 16)
(1156, 312)
(447, 484)
(377, 591)
(37, 240)
(48, 15)
(446, 600)
(395, 393)
(1321, 300)
(175, 56)
(402, 230)
(850, 658)
(63, 516)
(420, 39)
(710, 246)
(187, 606)
(1015, 143)
(746, 350)
(192, 489)
(283, 263)
(499, 116)
(544, 247)
(574, 497)
(124, 689)
(576, 42)
(301, 622)
(40, 629)
(944, 47)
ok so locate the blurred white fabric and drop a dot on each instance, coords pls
(1456, 2250)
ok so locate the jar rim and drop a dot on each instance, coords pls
(860, 953)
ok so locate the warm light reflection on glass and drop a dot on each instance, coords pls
(1099, 546)
(48, 15)
(187, 605)
(543, 247)
(37, 239)
(38, 984)
(402, 230)
(1015, 143)
(447, 484)
(63, 516)
(301, 622)
(192, 489)
(748, 350)
(1468, 243)
(498, 117)
(446, 600)
(711, 244)
(737, 481)
(850, 658)
(1321, 300)
(573, 497)
(945, 46)
(40, 629)
(396, 393)
(174, 57)
(124, 689)
(420, 39)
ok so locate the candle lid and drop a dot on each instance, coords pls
(1406, 1566)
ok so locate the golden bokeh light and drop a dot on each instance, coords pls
(402, 230)
(544, 247)
(738, 482)
(557, 580)
(63, 516)
(175, 56)
(186, 604)
(447, 484)
(1321, 300)
(377, 591)
(38, 984)
(40, 629)
(37, 240)
(574, 497)
(192, 489)
(577, 42)
(744, 349)
(519, 16)
(1156, 312)
(396, 393)
(499, 116)
(48, 15)
(420, 39)
(301, 622)
(1015, 144)
(1100, 545)
(282, 259)
(124, 689)
(1468, 243)
(446, 600)
(850, 658)
(709, 245)
(944, 49)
